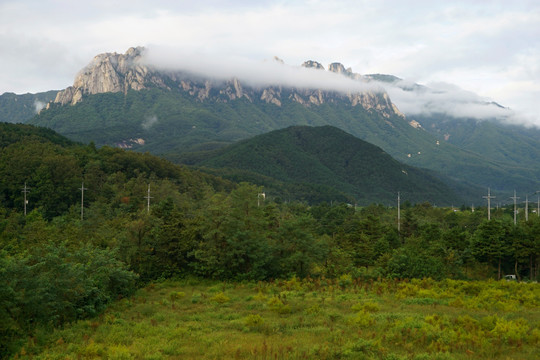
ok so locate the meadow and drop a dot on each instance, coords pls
(343, 318)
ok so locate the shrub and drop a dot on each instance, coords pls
(362, 319)
(369, 307)
(176, 295)
(277, 305)
(509, 331)
(220, 298)
(253, 320)
(196, 298)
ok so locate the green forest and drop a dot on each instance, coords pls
(147, 221)
(324, 163)
(173, 123)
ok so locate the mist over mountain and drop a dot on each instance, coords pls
(412, 99)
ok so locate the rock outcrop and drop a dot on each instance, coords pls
(338, 68)
(313, 64)
(112, 72)
(109, 72)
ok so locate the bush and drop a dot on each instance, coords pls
(253, 320)
(277, 305)
(220, 298)
(55, 285)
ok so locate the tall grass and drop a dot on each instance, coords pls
(310, 319)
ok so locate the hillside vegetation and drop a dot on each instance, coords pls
(57, 267)
(495, 140)
(302, 157)
(173, 122)
(21, 108)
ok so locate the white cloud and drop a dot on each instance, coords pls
(448, 101)
(435, 98)
(491, 48)
(253, 73)
(149, 122)
(38, 106)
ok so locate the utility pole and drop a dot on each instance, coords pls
(526, 207)
(148, 197)
(25, 191)
(398, 213)
(489, 197)
(82, 188)
(515, 206)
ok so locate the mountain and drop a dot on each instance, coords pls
(494, 135)
(121, 100)
(320, 163)
(20, 108)
(494, 140)
(112, 72)
(118, 100)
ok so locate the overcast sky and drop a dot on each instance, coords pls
(491, 48)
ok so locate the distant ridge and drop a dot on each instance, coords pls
(16, 108)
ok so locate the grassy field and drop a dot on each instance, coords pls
(309, 319)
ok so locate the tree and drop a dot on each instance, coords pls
(232, 233)
(297, 249)
(490, 242)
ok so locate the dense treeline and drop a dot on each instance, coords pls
(56, 268)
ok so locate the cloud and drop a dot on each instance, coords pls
(222, 67)
(149, 122)
(410, 98)
(443, 98)
(38, 106)
(420, 40)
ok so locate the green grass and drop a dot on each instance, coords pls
(312, 319)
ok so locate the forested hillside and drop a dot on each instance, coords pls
(21, 108)
(56, 267)
(327, 164)
(174, 122)
(495, 140)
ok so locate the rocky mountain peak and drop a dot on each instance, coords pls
(339, 69)
(313, 64)
(113, 72)
(108, 72)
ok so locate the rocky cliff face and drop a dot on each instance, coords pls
(109, 72)
(112, 72)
